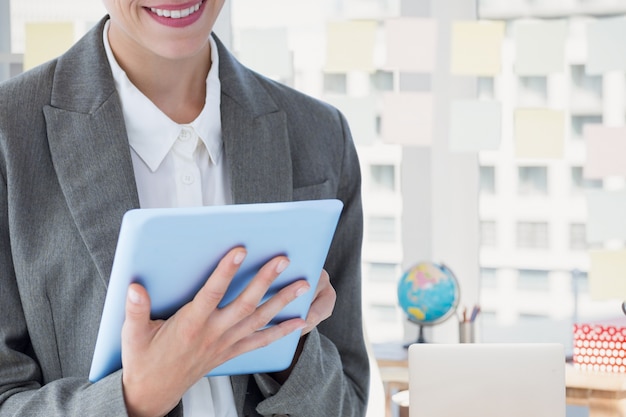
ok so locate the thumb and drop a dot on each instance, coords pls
(137, 323)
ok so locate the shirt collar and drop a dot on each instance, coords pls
(151, 133)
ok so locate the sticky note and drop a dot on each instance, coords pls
(274, 59)
(408, 118)
(540, 47)
(605, 45)
(45, 41)
(360, 112)
(350, 46)
(475, 125)
(539, 133)
(607, 274)
(606, 219)
(411, 44)
(477, 48)
(606, 151)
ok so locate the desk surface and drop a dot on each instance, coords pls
(392, 358)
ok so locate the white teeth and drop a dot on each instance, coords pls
(176, 14)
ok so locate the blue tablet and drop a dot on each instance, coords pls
(173, 251)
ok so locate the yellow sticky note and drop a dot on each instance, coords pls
(539, 133)
(607, 274)
(477, 48)
(350, 46)
(45, 41)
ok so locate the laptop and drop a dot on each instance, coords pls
(487, 380)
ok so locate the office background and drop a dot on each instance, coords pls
(489, 134)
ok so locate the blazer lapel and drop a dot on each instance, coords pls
(89, 147)
(254, 132)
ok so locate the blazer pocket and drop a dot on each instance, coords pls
(320, 191)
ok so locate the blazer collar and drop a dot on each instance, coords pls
(89, 147)
(255, 134)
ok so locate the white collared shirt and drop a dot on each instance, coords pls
(180, 166)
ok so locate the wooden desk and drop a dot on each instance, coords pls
(603, 393)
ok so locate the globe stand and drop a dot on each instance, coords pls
(420, 336)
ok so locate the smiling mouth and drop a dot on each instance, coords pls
(177, 14)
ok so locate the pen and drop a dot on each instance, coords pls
(475, 312)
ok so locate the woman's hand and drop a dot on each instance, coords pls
(161, 359)
(323, 303)
(321, 308)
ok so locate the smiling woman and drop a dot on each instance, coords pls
(148, 111)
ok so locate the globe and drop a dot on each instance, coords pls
(428, 293)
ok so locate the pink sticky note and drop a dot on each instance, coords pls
(408, 119)
(606, 151)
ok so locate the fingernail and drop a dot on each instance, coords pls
(282, 265)
(134, 296)
(239, 257)
(302, 290)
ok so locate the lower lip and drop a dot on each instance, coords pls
(178, 23)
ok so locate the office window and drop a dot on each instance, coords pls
(579, 122)
(488, 278)
(533, 181)
(579, 183)
(488, 180)
(485, 88)
(336, 83)
(386, 313)
(15, 69)
(582, 83)
(488, 233)
(578, 236)
(532, 235)
(382, 81)
(533, 91)
(534, 280)
(382, 178)
(382, 229)
(415, 82)
(580, 283)
(383, 272)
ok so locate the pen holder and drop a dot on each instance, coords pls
(466, 332)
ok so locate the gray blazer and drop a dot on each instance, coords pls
(66, 179)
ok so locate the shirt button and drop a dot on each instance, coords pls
(184, 135)
(187, 179)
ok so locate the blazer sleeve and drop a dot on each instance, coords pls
(331, 377)
(21, 390)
